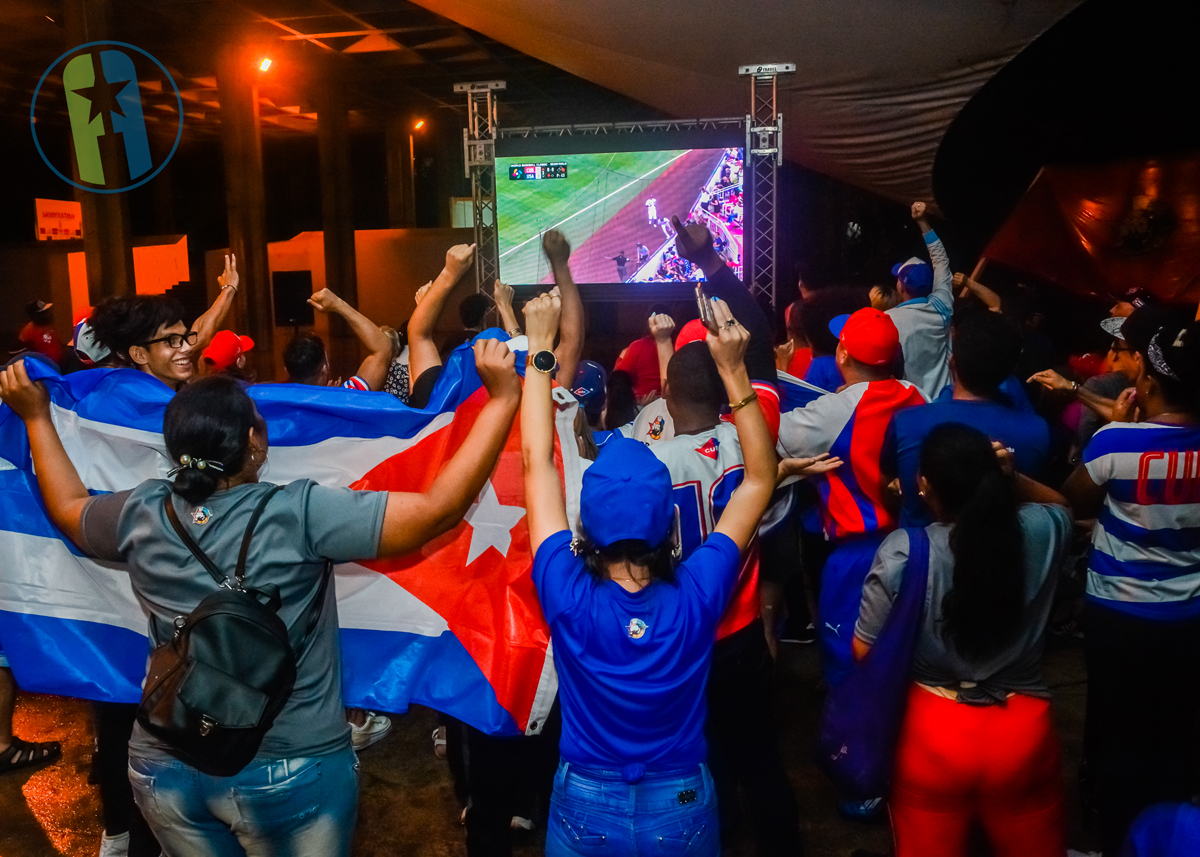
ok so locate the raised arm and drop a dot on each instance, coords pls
(937, 255)
(544, 504)
(662, 328)
(571, 323)
(964, 284)
(207, 325)
(1051, 380)
(740, 519)
(375, 368)
(413, 519)
(422, 350)
(502, 295)
(62, 489)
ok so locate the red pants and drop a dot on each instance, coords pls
(958, 764)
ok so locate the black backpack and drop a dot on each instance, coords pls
(214, 689)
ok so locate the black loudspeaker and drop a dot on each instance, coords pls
(292, 289)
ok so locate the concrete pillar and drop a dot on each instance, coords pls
(337, 221)
(241, 140)
(107, 241)
(402, 200)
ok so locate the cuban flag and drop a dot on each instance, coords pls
(455, 626)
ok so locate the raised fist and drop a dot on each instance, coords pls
(918, 210)
(556, 248)
(458, 259)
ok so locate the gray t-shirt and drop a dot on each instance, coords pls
(1014, 669)
(302, 526)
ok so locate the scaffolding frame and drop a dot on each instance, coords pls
(764, 155)
(479, 160)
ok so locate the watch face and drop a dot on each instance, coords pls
(544, 361)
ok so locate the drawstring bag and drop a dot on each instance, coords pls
(860, 724)
(214, 689)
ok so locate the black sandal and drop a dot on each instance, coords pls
(21, 754)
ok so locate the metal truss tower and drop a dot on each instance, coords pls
(764, 154)
(479, 155)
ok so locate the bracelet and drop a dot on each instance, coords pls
(516, 331)
(752, 397)
(1074, 386)
(230, 286)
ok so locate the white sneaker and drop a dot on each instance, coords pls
(114, 846)
(373, 730)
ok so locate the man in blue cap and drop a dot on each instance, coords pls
(923, 315)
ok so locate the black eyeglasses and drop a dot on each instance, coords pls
(175, 340)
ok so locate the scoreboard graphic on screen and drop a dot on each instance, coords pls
(533, 172)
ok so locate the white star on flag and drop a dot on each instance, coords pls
(491, 523)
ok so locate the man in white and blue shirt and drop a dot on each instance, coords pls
(923, 315)
(1141, 481)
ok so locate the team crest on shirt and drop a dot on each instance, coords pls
(201, 515)
(655, 431)
(636, 629)
(709, 450)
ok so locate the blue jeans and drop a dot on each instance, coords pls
(597, 812)
(273, 808)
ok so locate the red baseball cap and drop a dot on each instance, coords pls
(693, 331)
(226, 347)
(869, 336)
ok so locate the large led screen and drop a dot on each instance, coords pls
(615, 209)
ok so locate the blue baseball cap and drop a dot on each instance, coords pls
(626, 495)
(589, 385)
(915, 274)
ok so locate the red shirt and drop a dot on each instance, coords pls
(640, 360)
(799, 365)
(42, 339)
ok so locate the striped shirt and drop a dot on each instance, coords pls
(1146, 546)
(851, 425)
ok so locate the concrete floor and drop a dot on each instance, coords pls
(407, 806)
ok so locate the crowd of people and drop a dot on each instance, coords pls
(715, 524)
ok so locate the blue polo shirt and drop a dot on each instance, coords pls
(1012, 390)
(1028, 434)
(823, 372)
(633, 666)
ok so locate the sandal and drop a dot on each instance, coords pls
(439, 742)
(20, 754)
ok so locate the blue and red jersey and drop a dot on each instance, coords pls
(851, 425)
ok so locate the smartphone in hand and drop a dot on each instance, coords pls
(704, 304)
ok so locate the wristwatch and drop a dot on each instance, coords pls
(543, 361)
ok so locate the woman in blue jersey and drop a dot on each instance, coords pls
(1140, 479)
(633, 631)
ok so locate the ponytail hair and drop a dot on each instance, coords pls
(984, 606)
(209, 421)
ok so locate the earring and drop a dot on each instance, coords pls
(921, 494)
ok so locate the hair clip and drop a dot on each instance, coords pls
(187, 462)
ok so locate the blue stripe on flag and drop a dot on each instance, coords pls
(389, 670)
(70, 657)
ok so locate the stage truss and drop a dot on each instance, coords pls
(764, 154)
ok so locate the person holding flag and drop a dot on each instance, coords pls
(633, 630)
(299, 794)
